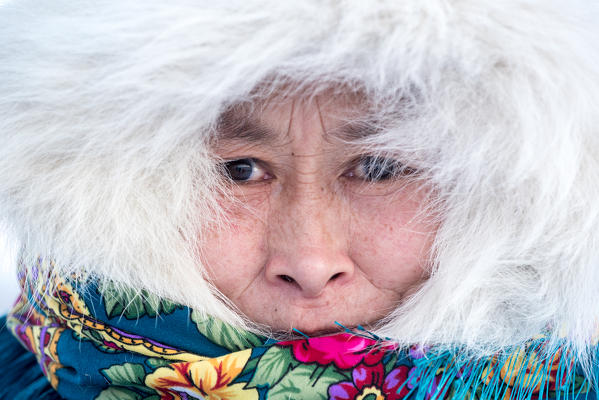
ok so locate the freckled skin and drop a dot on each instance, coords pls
(308, 246)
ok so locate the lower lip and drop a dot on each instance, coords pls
(319, 332)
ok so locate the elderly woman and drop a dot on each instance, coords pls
(314, 200)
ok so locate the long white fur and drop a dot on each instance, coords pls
(107, 107)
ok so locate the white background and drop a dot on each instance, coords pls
(8, 276)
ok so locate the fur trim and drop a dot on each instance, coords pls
(106, 108)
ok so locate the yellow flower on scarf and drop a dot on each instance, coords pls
(520, 372)
(210, 379)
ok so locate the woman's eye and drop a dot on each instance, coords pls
(243, 170)
(376, 169)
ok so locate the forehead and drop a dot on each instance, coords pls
(344, 118)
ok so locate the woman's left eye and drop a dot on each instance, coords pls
(244, 170)
(377, 169)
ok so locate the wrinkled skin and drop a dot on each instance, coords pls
(313, 239)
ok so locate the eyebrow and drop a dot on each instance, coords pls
(244, 129)
(232, 126)
(354, 131)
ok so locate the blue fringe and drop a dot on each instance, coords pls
(20, 376)
(466, 374)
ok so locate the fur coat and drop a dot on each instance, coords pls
(107, 109)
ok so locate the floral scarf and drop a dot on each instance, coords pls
(103, 344)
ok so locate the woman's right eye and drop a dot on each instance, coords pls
(378, 169)
(244, 170)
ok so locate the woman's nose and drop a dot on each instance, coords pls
(308, 246)
(310, 270)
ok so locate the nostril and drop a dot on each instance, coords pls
(287, 278)
(337, 275)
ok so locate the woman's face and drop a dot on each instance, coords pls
(318, 231)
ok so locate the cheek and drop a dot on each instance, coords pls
(391, 239)
(235, 254)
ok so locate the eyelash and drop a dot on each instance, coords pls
(378, 169)
(241, 166)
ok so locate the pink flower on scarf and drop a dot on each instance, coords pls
(344, 350)
(371, 382)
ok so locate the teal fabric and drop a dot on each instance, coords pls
(21, 377)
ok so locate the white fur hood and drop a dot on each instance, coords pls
(106, 107)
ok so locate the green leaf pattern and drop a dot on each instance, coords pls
(133, 304)
(224, 334)
(306, 382)
(275, 363)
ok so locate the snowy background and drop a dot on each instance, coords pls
(8, 276)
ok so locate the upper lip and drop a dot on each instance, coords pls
(314, 302)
